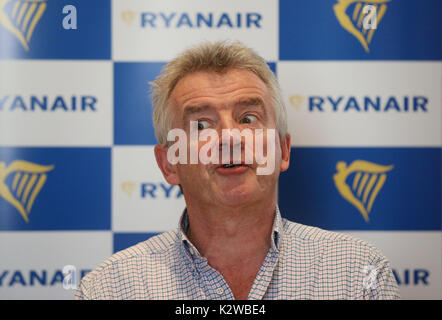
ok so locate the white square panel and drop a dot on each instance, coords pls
(415, 257)
(158, 30)
(366, 103)
(56, 103)
(32, 263)
(142, 200)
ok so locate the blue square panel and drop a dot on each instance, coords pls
(360, 30)
(125, 240)
(62, 29)
(55, 189)
(363, 188)
(132, 104)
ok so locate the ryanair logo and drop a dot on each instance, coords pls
(194, 20)
(151, 190)
(21, 17)
(27, 180)
(367, 179)
(48, 103)
(360, 104)
(360, 18)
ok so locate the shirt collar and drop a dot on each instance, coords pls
(191, 250)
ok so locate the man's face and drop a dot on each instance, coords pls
(237, 99)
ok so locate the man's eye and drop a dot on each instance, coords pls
(248, 119)
(203, 124)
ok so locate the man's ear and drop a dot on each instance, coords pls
(285, 152)
(168, 170)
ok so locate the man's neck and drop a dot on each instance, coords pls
(235, 241)
(219, 232)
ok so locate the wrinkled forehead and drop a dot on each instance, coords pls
(226, 87)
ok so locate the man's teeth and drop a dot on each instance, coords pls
(230, 165)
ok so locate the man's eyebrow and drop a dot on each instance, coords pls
(250, 102)
(189, 110)
(247, 102)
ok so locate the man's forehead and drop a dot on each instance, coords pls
(206, 84)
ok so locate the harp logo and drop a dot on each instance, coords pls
(360, 18)
(296, 100)
(21, 17)
(27, 180)
(128, 17)
(367, 179)
(128, 187)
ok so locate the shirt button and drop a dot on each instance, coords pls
(191, 251)
(220, 291)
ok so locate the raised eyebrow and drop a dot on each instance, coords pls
(250, 102)
(258, 102)
(196, 109)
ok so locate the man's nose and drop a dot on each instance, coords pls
(230, 134)
(227, 122)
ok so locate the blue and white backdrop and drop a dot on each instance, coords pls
(78, 178)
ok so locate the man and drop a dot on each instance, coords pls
(232, 242)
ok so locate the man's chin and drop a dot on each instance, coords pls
(239, 195)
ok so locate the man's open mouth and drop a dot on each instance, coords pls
(231, 165)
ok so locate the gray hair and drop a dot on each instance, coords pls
(217, 57)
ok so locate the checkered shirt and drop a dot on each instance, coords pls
(303, 262)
